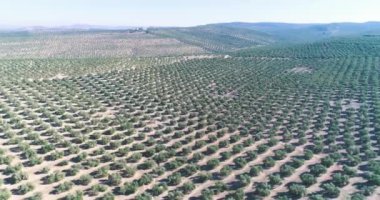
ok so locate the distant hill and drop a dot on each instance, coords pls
(224, 37)
(74, 27)
(330, 48)
(90, 44)
(216, 38)
(291, 33)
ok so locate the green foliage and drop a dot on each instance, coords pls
(297, 190)
(17, 177)
(236, 195)
(212, 163)
(114, 179)
(213, 120)
(35, 196)
(263, 189)
(158, 189)
(330, 190)
(187, 187)
(65, 186)
(107, 196)
(340, 180)
(308, 179)
(4, 194)
(244, 179)
(143, 196)
(274, 179)
(95, 189)
(175, 195)
(127, 188)
(357, 196)
(85, 179)
(255, 170)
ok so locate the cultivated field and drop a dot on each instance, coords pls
(286, 123)
(92, 44)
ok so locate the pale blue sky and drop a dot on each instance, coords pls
(183, 12)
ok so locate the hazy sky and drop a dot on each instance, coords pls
(183, 12)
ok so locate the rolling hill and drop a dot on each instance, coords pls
(88, 41)
(216, 38)
(115, 115)
(329, 48)
(291, 33)
(225, 37)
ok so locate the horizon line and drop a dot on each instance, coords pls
(126, 27)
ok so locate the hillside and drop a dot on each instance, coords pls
(90, 44)
(332, 48)
(298, 33)
(225, 37)
(164, 113)
(216, 38)
(290, 122)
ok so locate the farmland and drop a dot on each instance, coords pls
(188, 119)
(90, 44)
